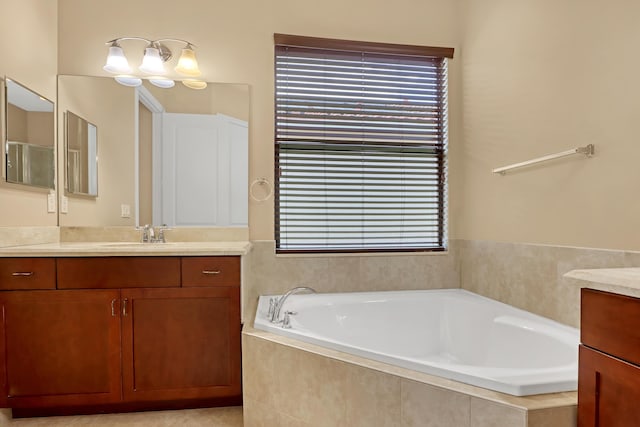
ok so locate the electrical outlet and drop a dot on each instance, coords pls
(51, 202)
(125, 211)
(64, 204)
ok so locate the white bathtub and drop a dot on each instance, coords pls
(451, 333)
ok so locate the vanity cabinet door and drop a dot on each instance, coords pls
(608, 392)
(61, 347)
(181, 343)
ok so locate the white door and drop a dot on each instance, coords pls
(234, 171)
(197, 169)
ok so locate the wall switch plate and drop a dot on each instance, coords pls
(64, 204)
(125, 211)
(51, 202)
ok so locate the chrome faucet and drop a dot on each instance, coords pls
(275, 303)
(149, 234)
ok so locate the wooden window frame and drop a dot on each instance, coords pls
(382, 49)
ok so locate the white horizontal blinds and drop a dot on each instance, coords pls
(360, 145)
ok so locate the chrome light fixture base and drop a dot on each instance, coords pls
(156, 54)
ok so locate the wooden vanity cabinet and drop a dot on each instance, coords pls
(609, 364)
(108, 337)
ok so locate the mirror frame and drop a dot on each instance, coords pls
(4, 126)
(67, 169)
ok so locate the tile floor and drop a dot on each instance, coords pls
(209, 417)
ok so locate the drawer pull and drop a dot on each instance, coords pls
(22, 273)
(210, 272)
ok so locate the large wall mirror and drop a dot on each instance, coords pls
(174, 156)
(29, 146)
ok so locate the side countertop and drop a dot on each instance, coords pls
(625, 281)
(84, 249)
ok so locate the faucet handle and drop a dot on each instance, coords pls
(273, 302)
(161, 230)
(286, 322)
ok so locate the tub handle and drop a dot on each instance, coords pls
(286, 322)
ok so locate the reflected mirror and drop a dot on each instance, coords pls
(174, 156)
(81, 149)
(30, 137)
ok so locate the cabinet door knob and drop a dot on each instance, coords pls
(210, 272)
(124, 307)
(113, 307)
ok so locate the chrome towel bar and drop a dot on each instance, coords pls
(587, 150)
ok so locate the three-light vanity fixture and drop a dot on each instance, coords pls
(153, 64)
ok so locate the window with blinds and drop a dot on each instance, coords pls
(360, 142)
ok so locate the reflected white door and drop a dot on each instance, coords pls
(202, 185)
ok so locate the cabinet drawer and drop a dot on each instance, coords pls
(27, 273)
(118, 272)
(611, 323)
(211, 271)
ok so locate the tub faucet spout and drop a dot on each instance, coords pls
(277, 305)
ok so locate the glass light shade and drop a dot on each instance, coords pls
(194, 84)
(130, 81)
(116, 61)
(187, 64)
(152, 62)
(162, 82)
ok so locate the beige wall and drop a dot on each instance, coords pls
(28, 48)
(41, 128)
(30, 127)
(541, 77)
(234, 41)
(110, 107)
(17, 131)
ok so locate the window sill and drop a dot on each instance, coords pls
(361, 254)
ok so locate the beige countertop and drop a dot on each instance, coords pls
(625, 281)
(78, 249)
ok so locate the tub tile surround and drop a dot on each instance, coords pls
(287, 382)
(425, 405)
(531, 276)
